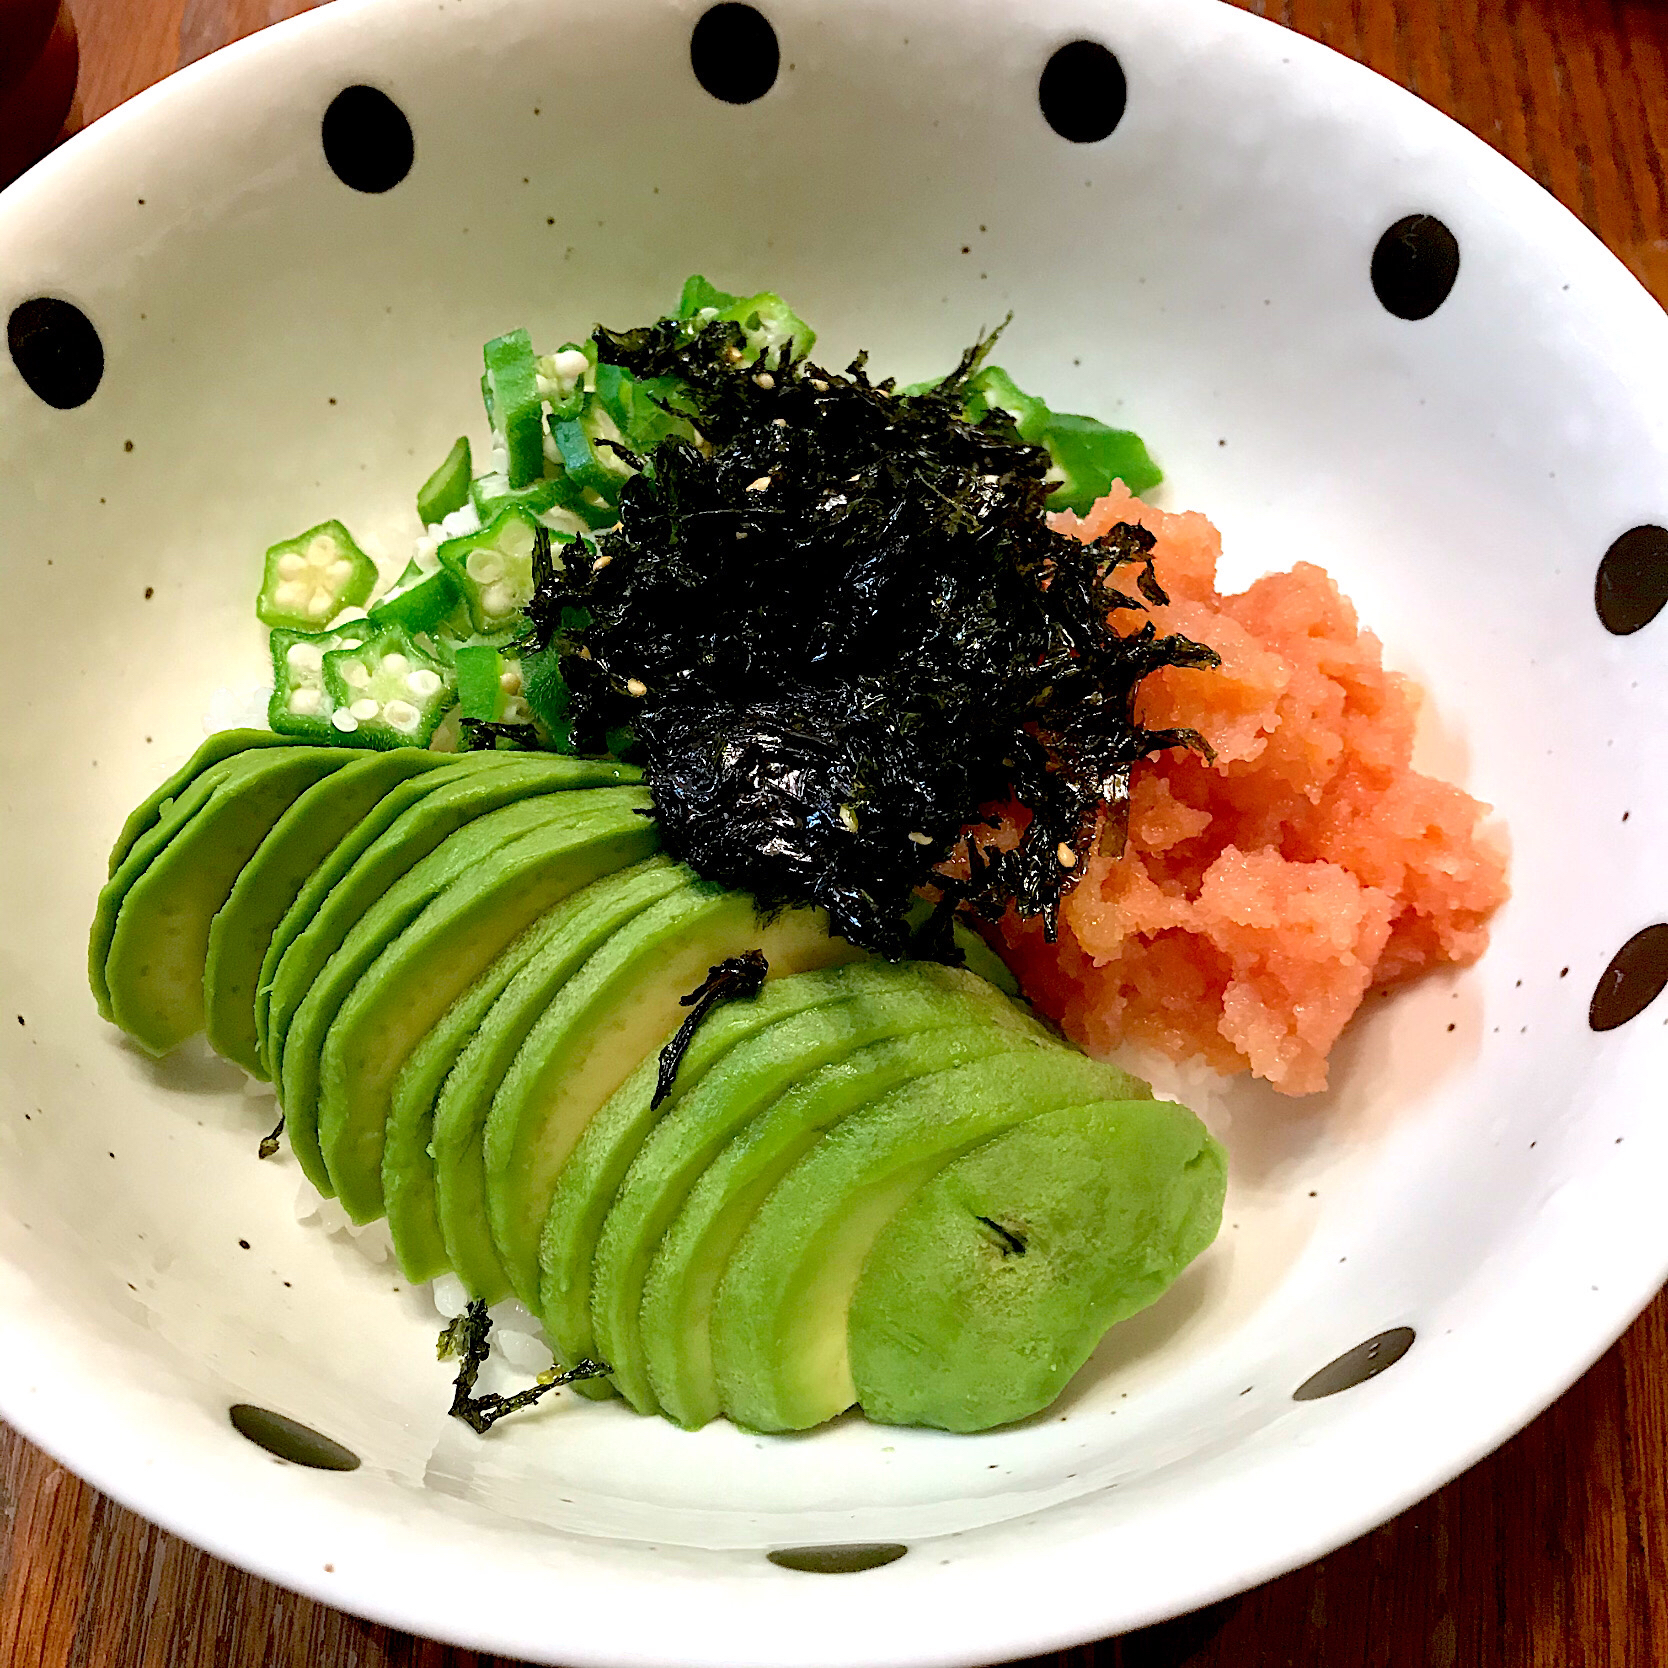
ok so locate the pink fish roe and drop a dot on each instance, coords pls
(1261, 897)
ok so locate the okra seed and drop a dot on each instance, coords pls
(510, 681)
(423, 683)
(291, 566)
(322, 551)
(1067, 857)
(289, 594)
(636, 686)
(365, 710)
(395, 665)
(305, 703)
(402, 715)
(318, 605)
(305, 657)
(498, 599)
(484, 566)
(356, 673)
(344, 721)
(340, 573)
(570, 364)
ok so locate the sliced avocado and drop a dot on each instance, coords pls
(223, 744)
(301, 839)
(174, 816)
(992, 1285)
(591, 1178)
(440, 954)
(799, 1117)
(411, 1142)
(477, 848)
(622, 1005)
(779, 1320)
(160, 944)
(341, 859)
(750, 1078)
(569, 936)
(468, 791)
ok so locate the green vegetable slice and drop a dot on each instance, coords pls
(493, 569)
(301, 707)
(447, 489)
(514, 405)
(421, 600)
(310, 579)
(388, 691)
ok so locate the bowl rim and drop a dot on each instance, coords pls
(831, 1624)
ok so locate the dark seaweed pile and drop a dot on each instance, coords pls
(839, 626)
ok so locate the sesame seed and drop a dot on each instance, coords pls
(765, 380)
(1068, 857)
(849, 818)
(759, 485)
(921, 839)
(600, 563)
(636, 686)
(820, 386)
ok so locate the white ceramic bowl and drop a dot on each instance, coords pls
(278, 347)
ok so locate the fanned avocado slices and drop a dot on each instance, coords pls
(467, 792)
(223, 744)
(300, 840)
(1022, 1253)
(622, 1005)
(792, 1055)
(581, 927)
(465, 1053)
(476, 846)
(159, 945)
(779, 1323)
(440, 953)
(589, 1182)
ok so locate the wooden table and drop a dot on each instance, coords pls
(1553, 1553)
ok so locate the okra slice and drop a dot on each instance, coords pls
(309, 580)
(493, 569)
(300, 706)
(515, 408)
(447, 489)
(388, 691)
(769, 325)
(492, 494)
(489, 685)
(419, 601)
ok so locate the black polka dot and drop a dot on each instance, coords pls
(1636, 976)
(291, 1440)
(734, 53)
(1415, 265)
(367, 140)
(56, 350)
(1632, 584)
(1082, 92)
(1358, 1365)
(838, 1560)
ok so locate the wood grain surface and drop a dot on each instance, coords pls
(1553, 1552)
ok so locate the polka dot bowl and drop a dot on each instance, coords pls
(254, 298)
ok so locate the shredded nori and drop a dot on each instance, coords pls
(1013, 1245)
(269, 1143)
(838, 627)
(466, 1338)
(734, 979)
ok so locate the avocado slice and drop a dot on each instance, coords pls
(300, 840)
(779, 1319)
(992, 1285)
(340, 860)
(174, 816)
(159, 947)
(223, 744)
(467, 792)
(775, 1065)
(623, 1004)
(420, 945)
(569, 934)
(590, 1180)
